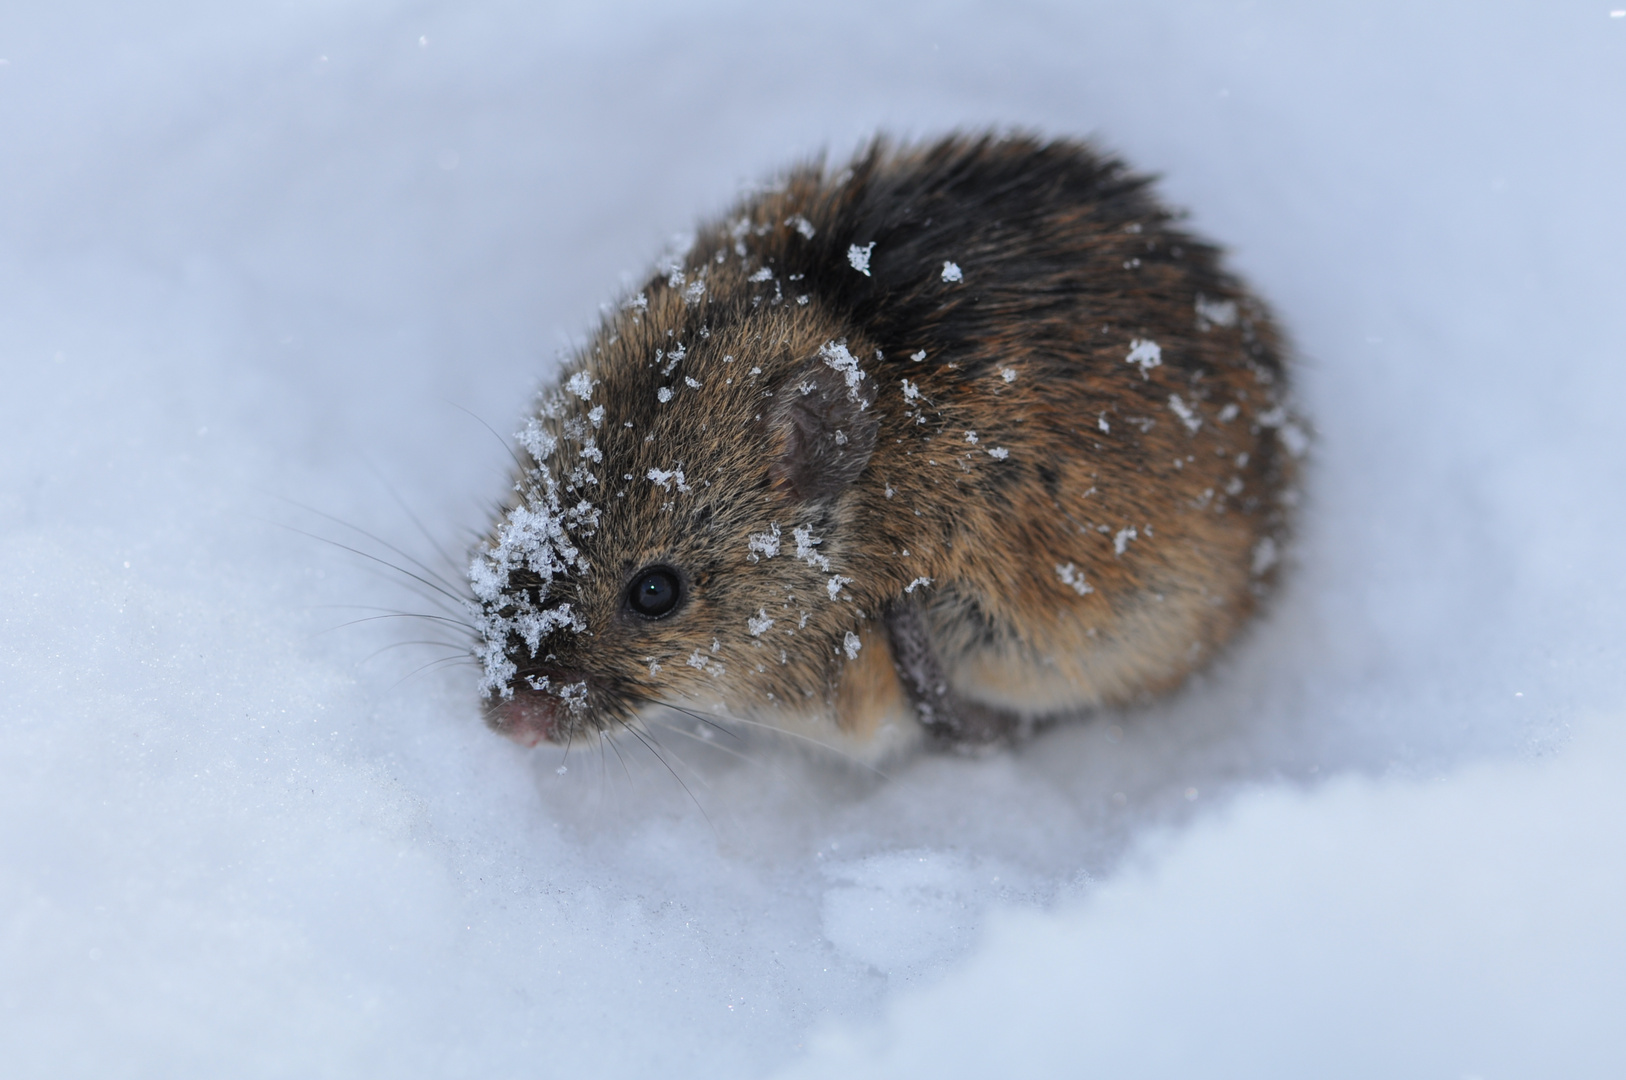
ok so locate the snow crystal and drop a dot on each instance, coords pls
(581, 384)
(764, 274)
(691, 382)
(537, 442)
(971, 437)
(1212, 313)
(663, 395)
(533, 626)
(1264, 555)
(665, 478)
(859, 257)
(1120, 540)
(1072, 577)
(801, 224)
(918, 356)
(851, 644)
(833, 586)
(1229, 412)
(759, 623)
(805, 543)
(1008, 374)
(911, 392)
(533, 535)
(764, 544)
(673, 358)
(951, 272)
(1145, 353)
(596, 416)
(835, 354)
(998, 453)
(1187, 415)
(574, 695)
(1101, 422)
(919, 582)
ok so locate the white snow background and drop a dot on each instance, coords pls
(257, 253)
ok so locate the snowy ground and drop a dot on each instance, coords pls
(249, 256)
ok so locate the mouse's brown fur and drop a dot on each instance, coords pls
(969, 434)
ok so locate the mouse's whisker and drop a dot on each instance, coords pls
(451, 563)
(778, 731)
(605, 740)
(460, 610)
(432, 665)
(440, 588)
(380, 541)
(506, 445)
(653, 749)
(646, 732)
(704, 719)
(455, 649)
(759, 763)
(465, 627)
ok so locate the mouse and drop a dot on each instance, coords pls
(931, 447)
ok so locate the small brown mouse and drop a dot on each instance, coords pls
(965, 435)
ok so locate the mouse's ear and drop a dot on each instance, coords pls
(821, 428)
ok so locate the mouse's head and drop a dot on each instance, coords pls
(681, 527)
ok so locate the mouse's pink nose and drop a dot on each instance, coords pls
(528, 718)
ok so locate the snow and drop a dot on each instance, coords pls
(858, 256)
(580, 384)
(766, 544)
(1375, 903)
(1212, 313)
(1072, 577)
(1145, 353)
(665, 478)
(261, 264)
(1188, 416)
(835, 355)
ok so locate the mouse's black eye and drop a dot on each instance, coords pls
(655, 592)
